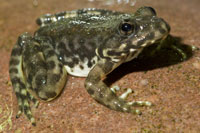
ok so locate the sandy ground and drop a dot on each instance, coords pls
(174, 89)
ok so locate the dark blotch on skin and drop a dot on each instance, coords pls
(22, 85)
(61, 45)
(18, 94)
(44, 98)
(150, 36)
(44, 46)
(51, 65)
(90, 91)
(81, 67)
(30, 98)
(81, 41)
(36, 49)
(100, 52)
(89, 64)
(93, 62)
(50, 53)
(26, 109)
(61, 68)
(140, 42)
(56, 77)
(70, 64)
(50, 94)
(60, 15)
(60, 65)
(162, 31)
(75, 60)
(16, 52)
(14, 61)
(40, 80)
(15, 80)
(29, 115)
(113, 52)
(13, 70)
(30, 78)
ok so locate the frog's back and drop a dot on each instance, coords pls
(51, 18)
(76, 39)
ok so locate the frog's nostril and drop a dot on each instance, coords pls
(165, 25)
(168, 27)
(165, 28)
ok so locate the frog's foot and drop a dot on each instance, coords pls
(18, 80)
(107, 96)
(171, 43)
(33, 99)
(24, 106)
(125, 95)
(180, 51)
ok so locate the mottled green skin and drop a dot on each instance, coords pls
(88, 43)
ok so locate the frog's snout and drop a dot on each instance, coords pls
(161, 25)
(167, 27)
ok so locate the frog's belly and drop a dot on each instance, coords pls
(81, 69)
(77, 71)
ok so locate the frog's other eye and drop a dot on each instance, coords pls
(146, 11)
(153, 12)
(126, 28)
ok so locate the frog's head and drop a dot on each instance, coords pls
(144, 28)
(135, 32)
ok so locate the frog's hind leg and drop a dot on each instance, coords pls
(47, 73)
(35, 71)
(51, 18)
(106, 96)
(18, 80)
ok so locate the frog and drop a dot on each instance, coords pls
(87, 43)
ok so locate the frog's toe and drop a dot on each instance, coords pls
(140, 103)
(33, 99)
(19, 113)
(24, 107)
(179, 51)
(28, 113)
(36, 104)
(126, 93)
(129, 105)
(115, 88)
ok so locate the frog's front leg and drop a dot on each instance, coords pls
(106, 96)
(35, 71)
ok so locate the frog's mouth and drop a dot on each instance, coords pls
(148, 31)
(152, 36)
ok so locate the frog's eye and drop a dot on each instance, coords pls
(126, 28)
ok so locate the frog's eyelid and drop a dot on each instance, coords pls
(146, 11)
